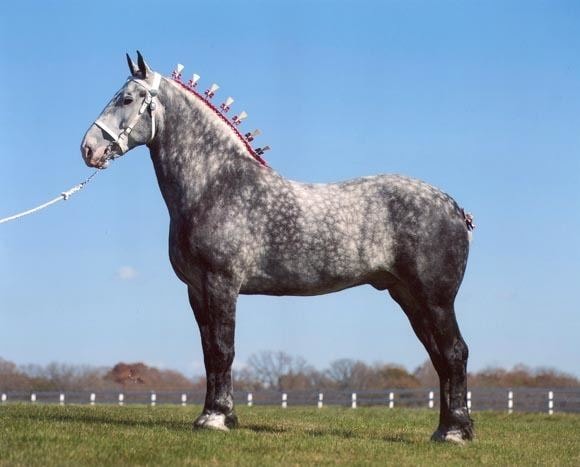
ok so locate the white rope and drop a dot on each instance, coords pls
(63, 196)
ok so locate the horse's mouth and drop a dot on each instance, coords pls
(106, 158)
(102, 164)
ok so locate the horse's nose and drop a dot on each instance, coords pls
(93, 154)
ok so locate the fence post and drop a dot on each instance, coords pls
(250, 399)
(92, 398)
(121, 398)
(4, 397)
(510, 401)
(153, 399)
(32, 397)
(431, 401)
(468, 401)
(551, 402)
(184, 400)
(320, 398)
(353, 404)
(61, 399)
(391, 400)
(284, 400)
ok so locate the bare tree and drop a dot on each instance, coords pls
(352, 374)
(386, 376)
(340, 372)
(245, 380)
(348, 374)
(271, 369)
(11, 378)
(426, 375)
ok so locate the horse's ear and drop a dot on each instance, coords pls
(132, 67)
(143, 67)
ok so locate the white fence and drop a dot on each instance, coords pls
(510, 400)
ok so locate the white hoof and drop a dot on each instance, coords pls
(211, 421)
(454, 436)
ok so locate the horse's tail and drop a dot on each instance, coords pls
(468, 218)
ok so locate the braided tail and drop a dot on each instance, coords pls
(468, 218)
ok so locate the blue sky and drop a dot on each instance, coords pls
(481, 99)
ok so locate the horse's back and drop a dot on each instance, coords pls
(392, 204)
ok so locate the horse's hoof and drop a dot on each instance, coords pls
(449, 436)
(211, 421)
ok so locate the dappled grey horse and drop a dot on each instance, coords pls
(237, 227)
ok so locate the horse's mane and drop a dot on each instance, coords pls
(245, 139)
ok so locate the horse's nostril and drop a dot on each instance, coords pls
(88, 152)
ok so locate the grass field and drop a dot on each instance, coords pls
(162, 435)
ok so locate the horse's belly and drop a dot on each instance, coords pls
(305, 273)
(298, 287)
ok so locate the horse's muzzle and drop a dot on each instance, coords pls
(94, 154)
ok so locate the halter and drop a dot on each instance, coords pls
(122, 138)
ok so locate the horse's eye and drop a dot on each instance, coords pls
(127, 100)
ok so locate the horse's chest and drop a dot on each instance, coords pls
(197, 247)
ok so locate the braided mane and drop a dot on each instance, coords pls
(176, 77)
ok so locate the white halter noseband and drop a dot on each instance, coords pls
(122, 139)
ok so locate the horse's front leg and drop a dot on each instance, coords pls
(214, 306)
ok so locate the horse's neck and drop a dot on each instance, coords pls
(194, 151)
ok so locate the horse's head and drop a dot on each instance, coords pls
(127, 121)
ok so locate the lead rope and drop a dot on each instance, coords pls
(62, 197)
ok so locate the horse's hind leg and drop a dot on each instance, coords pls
(214, 306)
(454, 423)
(436, 327)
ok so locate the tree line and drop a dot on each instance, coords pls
(266, 370)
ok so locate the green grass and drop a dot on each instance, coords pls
(104, 435)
